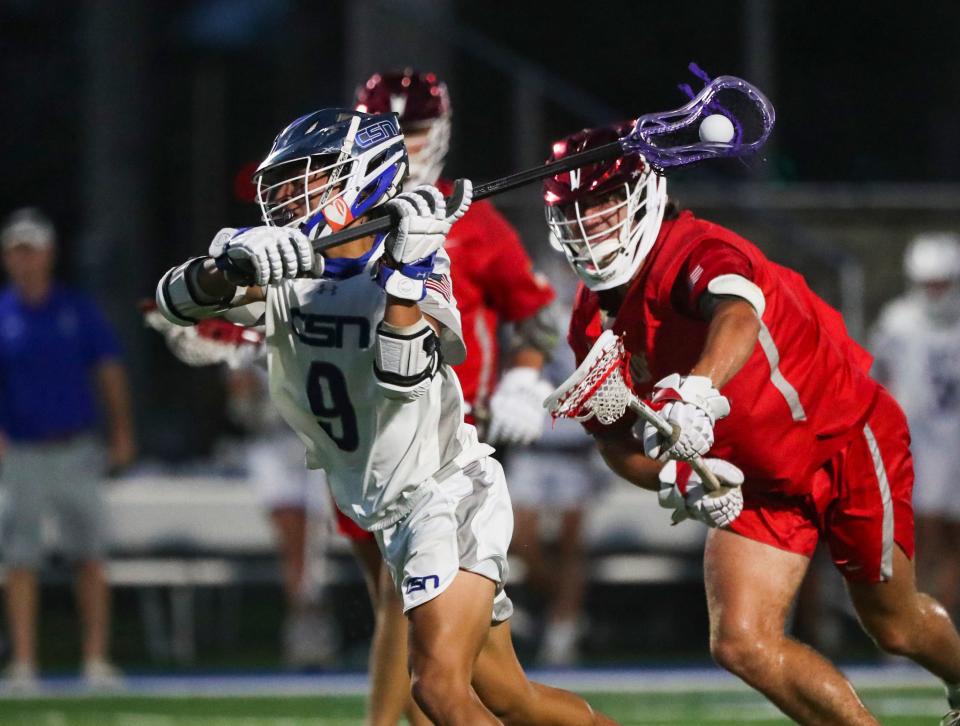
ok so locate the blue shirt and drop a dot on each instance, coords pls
(47, 355)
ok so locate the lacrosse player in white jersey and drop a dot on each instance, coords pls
(917, 347)
(359, 354)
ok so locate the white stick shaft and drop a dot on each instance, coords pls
(709, 479)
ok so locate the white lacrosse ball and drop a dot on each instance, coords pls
(716, 129)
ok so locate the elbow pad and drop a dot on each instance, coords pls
(540, 331)
(407, 359)
(738, 286)
(179, 300)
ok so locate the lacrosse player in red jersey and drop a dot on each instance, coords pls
(494, 283)
(749, 365)
(357, 345)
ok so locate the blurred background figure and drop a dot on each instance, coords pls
(295, 499)
(552, 483)
(298, 504)
(494, 285)
(917, 347)
(55, 349)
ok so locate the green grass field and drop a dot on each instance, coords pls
(894, 706)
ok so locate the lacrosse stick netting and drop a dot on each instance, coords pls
(600, 387)
(209, 342)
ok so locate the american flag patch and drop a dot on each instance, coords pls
(440, 284)
(695, 275)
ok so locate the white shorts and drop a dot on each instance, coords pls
(463, 523)
(555, 480)
(280, 478)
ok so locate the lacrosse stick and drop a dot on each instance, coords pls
(209, 342)
(600, 388)
(666, 139)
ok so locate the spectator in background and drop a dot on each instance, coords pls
(53, 342)
(917, 347)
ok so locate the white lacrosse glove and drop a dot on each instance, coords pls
(516, 407)
(265, 255)
(694, 406)
(422, 224)
(682, 491)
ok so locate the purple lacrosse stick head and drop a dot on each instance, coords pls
(651, 133)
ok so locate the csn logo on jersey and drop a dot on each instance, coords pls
(416, 584)
(330, 331)
(377, 133)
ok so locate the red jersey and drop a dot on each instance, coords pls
(494, 282)
(803, 394)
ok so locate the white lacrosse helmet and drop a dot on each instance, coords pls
(423, 104)
(933, 256)
(604, 255)
(328, 168)
(932, 264)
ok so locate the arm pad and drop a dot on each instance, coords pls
(540, 331)
(407, 359)
(179, 300)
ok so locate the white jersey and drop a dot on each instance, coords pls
(919, 362)
(377, 451)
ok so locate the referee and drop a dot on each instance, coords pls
(55, 350)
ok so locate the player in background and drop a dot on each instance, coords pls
(494, 283)
(356, 349)
(294, 498)
(916, 343)
(553, 482)
(297, 503)
(758, 371)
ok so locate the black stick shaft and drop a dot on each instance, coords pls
(482, 191)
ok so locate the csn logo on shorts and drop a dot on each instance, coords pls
(416, 584)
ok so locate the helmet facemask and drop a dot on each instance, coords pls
(606, 236)
(426, 162)
(291, 193)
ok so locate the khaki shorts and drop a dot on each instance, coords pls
(463, 523)
(62, 480)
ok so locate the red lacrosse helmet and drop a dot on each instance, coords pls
(604, 216)
(423, 104)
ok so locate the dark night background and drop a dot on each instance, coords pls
(133, 124)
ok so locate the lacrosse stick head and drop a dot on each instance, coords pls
(670, 139)
(600, 387)
(604, 216)
(210, 342)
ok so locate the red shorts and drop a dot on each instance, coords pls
(860, 502)
(350, 529)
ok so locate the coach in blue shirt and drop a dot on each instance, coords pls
(55, 349)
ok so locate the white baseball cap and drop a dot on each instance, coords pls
(28, 226)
